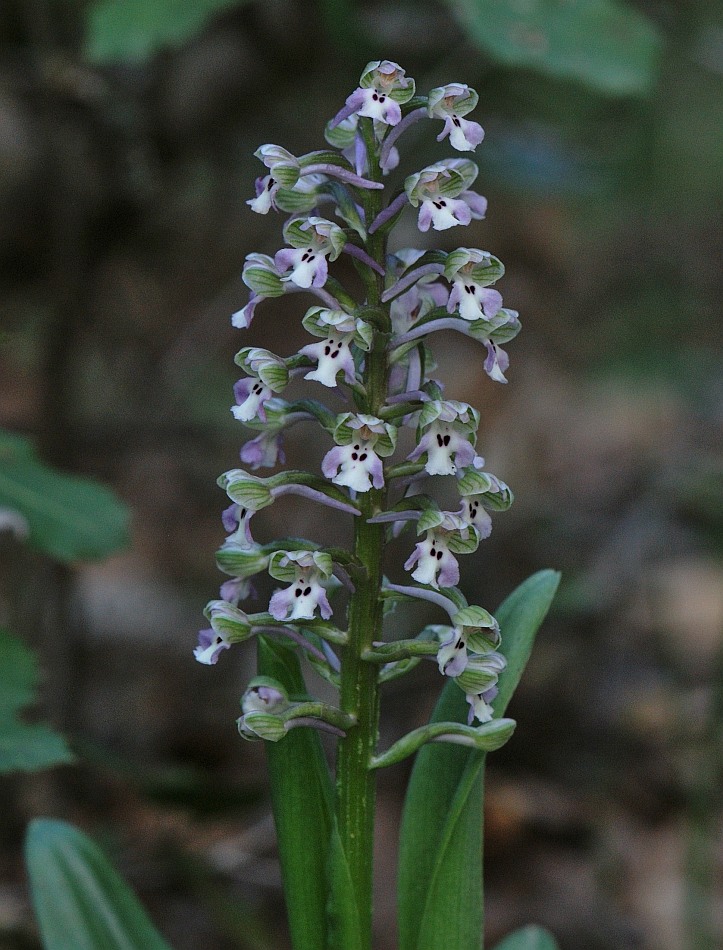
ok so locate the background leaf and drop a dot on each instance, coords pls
(23, 747)
(133, 30)
(604, 44)
(301, 798)
(80, 900)
(440, 860)
(529, 938)
(70, 518)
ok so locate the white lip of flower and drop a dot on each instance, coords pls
(301, 600)
(264, 200)
(441, 441)
(480, 710)
(435, 562)
(452, 654)
(355, 466)
(304, 266)
(332, 355)
(474, 302)
(249, 408)
(473, 514)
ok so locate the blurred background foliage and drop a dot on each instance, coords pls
(126, 138)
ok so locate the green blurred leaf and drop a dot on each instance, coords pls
(133, 30)
(604, 44)
(301, 799)
(70, 518)
(529, 938)
(440, 859)
(23, 747)
(80, 900)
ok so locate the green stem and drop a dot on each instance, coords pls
(359, 685)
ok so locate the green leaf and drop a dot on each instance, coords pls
(80, 900)
(70, 518)
(133, 30)
(529, 938)
(301, 798)
(604, 44)
(343, 915)
(23, 747)
(440, 860)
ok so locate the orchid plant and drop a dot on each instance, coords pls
(398, 449)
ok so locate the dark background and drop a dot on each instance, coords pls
(123, 177)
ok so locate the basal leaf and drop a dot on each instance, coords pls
(605, 44)
(80, 900)
(301, 798)
(440, 862)
(23, 747)
(343, 915)
(70, 518)
(529, 938)
(133, 30)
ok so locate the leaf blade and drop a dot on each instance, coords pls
(24, 747)
(442, 817)
(606, 45)
(301, 798)
(69, 517)
(80, 900)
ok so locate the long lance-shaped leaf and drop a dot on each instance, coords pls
(301, 798)
(529, 938)
(343, 916)
(80, 900)
(440, 861)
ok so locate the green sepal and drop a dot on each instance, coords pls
(477, 675)
(481, 630)
(400, 93)
(301, 797)
(284, 166)
(80, 900)
(467, 417)
(342, 135)
(482, 273)
(228, 620)
(267, 366)
(238, 561)
(487, 737)
(502, 328)
(285, 569)
(298, 236)
(495, 494)
(295, 201)
(261, 276)
(462, 104)
(249, 491)
(261, 725)
(383, 434)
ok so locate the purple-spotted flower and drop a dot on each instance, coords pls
(314, 241)
(268, 374)
(450, 103)
(441, 191)
(382, 88)
(355, 460)
(305, 570)
(479, 705)
(339, 330)
(210, 646)
(448, 441)
(470, 272)
(475, 632)
(263, 278)
(435, 563)
(284, 171)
